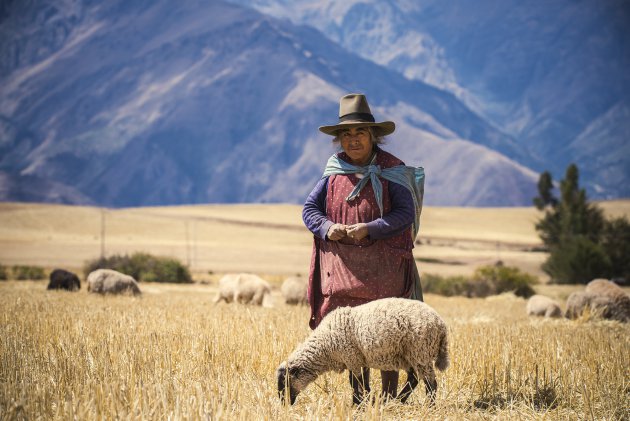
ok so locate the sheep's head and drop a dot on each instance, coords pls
(294, 378)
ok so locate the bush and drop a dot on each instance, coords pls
(447, 286)
(487, 280)
(3, 273)
(143, 267)
(506, 279)
(22, 273)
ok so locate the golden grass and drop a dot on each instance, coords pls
(171, 354)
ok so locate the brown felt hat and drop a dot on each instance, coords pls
(354, 111)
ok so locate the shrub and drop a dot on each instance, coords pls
(447, 286)
(3, 273)
(506, 279)
(143, 267)
(456, 285)
(23, 272)
(487, 280)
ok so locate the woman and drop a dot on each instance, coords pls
(364, 214)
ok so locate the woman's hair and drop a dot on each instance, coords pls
(376, 140)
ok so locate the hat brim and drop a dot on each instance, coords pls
(381, 129)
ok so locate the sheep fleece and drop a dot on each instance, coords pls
(619, 306)
(243, 288)
(108, 281)
(540, 305)
(294, 290)
(388, 334)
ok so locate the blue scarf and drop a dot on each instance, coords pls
(410, 177)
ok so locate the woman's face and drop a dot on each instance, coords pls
(356, 143)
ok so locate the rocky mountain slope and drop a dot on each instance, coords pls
(553, 75)
(147, 103)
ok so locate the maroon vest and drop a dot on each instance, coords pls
(353, 272)
(364, 208)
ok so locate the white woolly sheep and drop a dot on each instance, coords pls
(294, 290)
(386, 334)
(540, 305)
(108, 281)
(245, 288)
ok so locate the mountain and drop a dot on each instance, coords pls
(549, 74)
(156, 103)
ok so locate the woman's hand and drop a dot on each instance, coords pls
(336, 232)
(357, 231)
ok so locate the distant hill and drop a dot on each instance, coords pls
(155, 103)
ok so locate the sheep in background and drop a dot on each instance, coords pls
(386, 334)
(619, 306)
(108, 281)
(601, 297)
(63, 279)
(540, 305)
(245, 288)
(580, 301)
(294, 290)
(605, 287)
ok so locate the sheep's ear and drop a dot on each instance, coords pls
(284, 382)
(281, 374)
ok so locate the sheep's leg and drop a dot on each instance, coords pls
(412, 382)
(430, 384)
(258, 298)
(360, 385)
(390, 384)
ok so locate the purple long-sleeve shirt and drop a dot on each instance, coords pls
(400, 217)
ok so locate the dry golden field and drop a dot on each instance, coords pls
(172, 354)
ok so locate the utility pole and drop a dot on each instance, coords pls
(187, 242)
(194, 253)
(102, 233)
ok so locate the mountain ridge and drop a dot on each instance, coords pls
(541, 72)
(221, 104)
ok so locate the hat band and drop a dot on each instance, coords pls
(357, 116)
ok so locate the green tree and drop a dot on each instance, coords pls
(549, 227)
(577, 262)
(616, 244)
(572, 229)
(578, 217)
(545, 194)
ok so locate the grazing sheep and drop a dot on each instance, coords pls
(294, 290)
(245, 288)
(605, 287)
(108, 281)
(63, 279)
(619, 307)
(387, 334)
(540, 305)
(579, 301)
